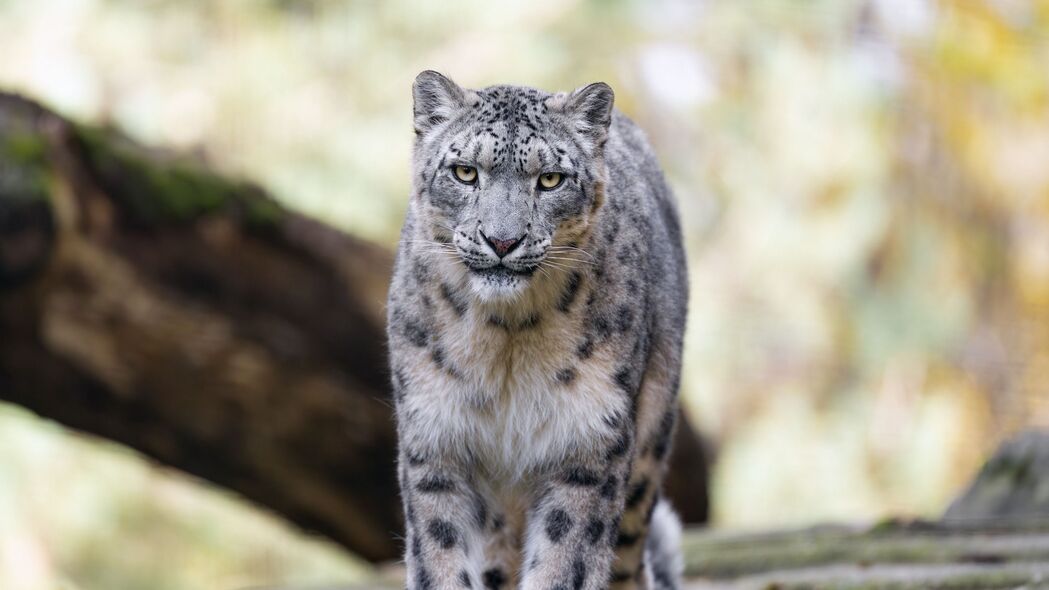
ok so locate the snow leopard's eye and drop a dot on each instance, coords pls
(550, 180)
(466, 174)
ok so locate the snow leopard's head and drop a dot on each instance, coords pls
(508, 178)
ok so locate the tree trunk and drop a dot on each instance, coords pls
(148, 301)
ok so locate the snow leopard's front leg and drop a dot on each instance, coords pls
(445, 516)
(574, 523)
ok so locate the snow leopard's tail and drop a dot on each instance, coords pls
(663, 548)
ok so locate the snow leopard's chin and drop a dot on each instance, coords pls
(498, 284)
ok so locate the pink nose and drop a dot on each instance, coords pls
(502, 247)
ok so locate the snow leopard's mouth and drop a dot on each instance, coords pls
(501, 271)
(499, 282)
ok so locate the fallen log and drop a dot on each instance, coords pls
(979, 553)
(893, 555)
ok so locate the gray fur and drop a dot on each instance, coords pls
(535, 391)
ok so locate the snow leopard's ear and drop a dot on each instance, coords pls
(437, 99)
(589, 107)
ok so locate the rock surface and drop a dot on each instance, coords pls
(1014, 484)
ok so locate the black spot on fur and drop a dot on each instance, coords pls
(437, 354)
(480, 511)
(613, 421)
(608, 489)
(464, 579)
(414, 332)
(586, 349)
(566, 375)
(661, 446)
(626, 254)
(620, 447)
(579, 476)
(594, 529)
(529, 322)
(558, 523)
(625, 319)
(423, 580)
(444, 532)
(400, 382)
(624, 380)
(409, 510)
(578, 574)
(601, 326)
(420, 273)
(440, 359)
(493, 579)
(637, 492)
(571, 291)
(525, 324)
(613, 530)
(434, 483)
(619, 577)
(458, 304)
(417, 548)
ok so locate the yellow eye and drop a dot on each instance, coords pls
(467, 174)
(549, 181)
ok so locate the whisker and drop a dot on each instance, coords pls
(450, 255)
(432, 248)
(431, 242)
(557, 265)
(568, 256)
(571, 249)
(574, 260)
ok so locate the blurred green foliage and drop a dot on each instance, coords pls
(864, 185)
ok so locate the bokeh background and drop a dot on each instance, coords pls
(864, 184)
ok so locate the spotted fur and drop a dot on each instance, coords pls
(535, 342)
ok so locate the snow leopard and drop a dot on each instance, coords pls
(535, 328)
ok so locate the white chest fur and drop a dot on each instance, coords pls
(513, 397)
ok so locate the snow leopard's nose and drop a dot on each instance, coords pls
(502, 247)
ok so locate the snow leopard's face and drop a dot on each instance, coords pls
(508, 178)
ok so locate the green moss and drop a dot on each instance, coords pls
(24, 169)
(151, 191)
(885, 525)
(260, 211)
(26, 148)
(1015, 469)
(156, 190)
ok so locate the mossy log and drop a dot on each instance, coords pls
(995, 536)
(152, 302)
(893, 554)
(896, 555)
